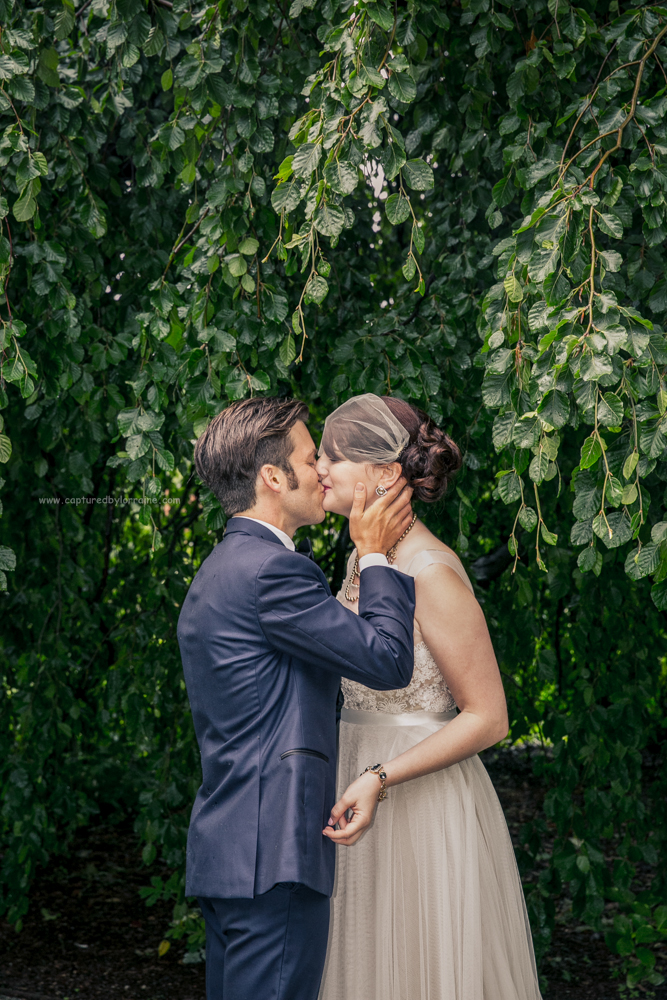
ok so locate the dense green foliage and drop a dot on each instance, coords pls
(462, 205)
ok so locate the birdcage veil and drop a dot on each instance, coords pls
(364, 429)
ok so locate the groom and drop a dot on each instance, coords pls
(264, 645)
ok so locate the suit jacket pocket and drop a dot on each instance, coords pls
(305, 752)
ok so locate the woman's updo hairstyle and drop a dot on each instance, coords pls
(430, 460)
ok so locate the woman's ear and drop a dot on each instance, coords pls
(389, 474)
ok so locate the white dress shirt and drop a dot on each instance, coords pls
(372, 559)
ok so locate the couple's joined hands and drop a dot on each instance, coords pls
(379, 526)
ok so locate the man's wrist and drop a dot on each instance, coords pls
(372, 559)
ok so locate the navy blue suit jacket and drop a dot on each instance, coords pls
(264, 644)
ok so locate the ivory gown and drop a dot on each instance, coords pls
(428, 904)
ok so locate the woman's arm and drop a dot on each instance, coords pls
(455, 632)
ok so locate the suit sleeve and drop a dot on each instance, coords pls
(299, 616)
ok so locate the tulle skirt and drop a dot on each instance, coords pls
(428, 904)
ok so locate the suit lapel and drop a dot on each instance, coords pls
(247, 526)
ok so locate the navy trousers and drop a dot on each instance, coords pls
(271, 947)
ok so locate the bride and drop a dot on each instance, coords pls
(428, 905)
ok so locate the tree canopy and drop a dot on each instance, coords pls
(462, 204)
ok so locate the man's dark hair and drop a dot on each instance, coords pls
(239, 441)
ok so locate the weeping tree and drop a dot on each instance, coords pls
(462, 204)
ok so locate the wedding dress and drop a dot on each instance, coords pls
(428, 904)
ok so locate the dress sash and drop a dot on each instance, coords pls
(421, 718)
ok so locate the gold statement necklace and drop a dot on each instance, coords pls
(391, 559)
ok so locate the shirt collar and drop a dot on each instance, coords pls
(284, 538)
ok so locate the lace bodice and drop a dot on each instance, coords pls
(428, 689)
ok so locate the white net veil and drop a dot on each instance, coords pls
(364, 429)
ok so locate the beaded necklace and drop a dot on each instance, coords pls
(391, 559)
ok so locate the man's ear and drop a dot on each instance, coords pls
(271, 477)
(389, 474)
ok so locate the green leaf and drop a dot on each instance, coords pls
(285, 197)
(249, 246)
(555, 408)
(618, 524)
(549, 537)
(496, 388)
(643, 561)
(659, 532)
(409, 268)
(128, 421)
(165, 459)
(329, 220)
(610, 410)
(513, 288)
(418, 175)
(629, 494)
(527, 518)
(659, 595)
(47, 67)
(382, 17)
(25, 207)
(543, 262)
(237, 266)
(64, 21)
(397, 208)
(402, 87)
(260, 381)
(306, 159)
(537, 171)
(502, 430)
(611, 225)
(614, 491)
(372, 76)
(287, 350)
(418, 238)
(509, 488)
(5, 448)
(392, 158)
(538, 467)
(341, 176)
(586, 559)
(316, 289)
(167, 79)
(590, 452)
(593, 366)
(611, 259)
(503, 192)
(148, 853)
(652, 441)
(7, 559)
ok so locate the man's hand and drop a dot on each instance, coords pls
(378, 527)
(362, 798)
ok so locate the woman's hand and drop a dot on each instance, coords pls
(361, 797)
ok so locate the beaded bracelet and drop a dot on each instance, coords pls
(382, 775)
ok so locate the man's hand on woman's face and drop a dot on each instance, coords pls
(377, 527)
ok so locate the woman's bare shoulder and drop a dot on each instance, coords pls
(420, 539)
(432, 564)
